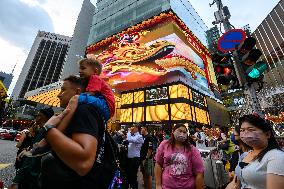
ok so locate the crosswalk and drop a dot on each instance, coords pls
(4, 165)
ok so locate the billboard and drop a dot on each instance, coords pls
(128, 61)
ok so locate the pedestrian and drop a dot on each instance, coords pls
(239, 152)
(77, 156)
(28, 168)
(135, 141)
(262, 167)
(178, 163)
(200, 138)
(227, 146)
(97, 93)
(146, 155)
(167, 135)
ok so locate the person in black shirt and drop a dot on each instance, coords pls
(73, 162)
(146, 155)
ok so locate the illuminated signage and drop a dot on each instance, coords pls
(156, 94)
(198, 98)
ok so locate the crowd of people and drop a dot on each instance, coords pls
(73, 149)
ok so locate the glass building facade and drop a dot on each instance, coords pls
(270, 40)
(113, 16)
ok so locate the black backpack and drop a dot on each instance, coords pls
(106, 162)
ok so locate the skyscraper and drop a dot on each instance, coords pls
(270, 40)
(43, 64)
(213, 35)
(112, 16)
(79, 39)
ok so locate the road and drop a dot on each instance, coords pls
(7, 159)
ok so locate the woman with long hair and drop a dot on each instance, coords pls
(178, 163)
(263, 166)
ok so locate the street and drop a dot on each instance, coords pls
(7, 159)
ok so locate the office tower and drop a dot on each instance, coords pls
(213, 35)
(43, 64)
(79, 39)
(112, 16)
(270, 40)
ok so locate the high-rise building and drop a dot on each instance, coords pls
(213, 35)
(43, 64)
(6, 79)
(247, 29)
(79, 39)
(270, 40)
(112, 16)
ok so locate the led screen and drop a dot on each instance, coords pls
(126, 115)
(127, 98)
(181, 111)
(157, 113)
(201, 115)
(179, 91)
(156, 94)
(138, 96)
(140, 64)
(182, 49)
(138, 114)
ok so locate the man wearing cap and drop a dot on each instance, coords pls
(135, 140)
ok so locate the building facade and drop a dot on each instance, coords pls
(79, 39)
(270, 40)
(213, 35)
(113, 16)
(43, 64)
(6, 79)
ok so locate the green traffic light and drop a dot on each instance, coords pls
(256, 70)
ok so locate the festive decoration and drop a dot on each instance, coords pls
(275, 119)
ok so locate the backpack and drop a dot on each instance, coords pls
(106, 164)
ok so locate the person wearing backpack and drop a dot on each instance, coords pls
(79, 151)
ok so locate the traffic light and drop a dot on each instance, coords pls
(248, 57)
(223, 68)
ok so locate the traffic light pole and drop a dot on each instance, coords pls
(248, 89)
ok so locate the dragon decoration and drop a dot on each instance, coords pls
(126, 56)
